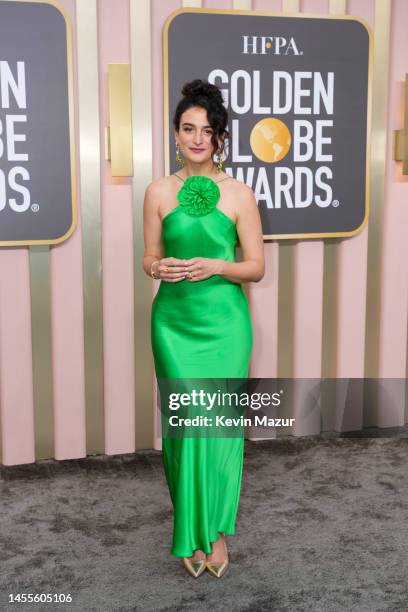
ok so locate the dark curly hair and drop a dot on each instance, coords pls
(208, 96)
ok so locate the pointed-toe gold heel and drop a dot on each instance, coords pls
(195, 568)
(217, 569)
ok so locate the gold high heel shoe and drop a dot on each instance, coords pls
(195, 568)
(217, 568)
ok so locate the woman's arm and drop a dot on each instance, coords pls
(169, 269)
(153, 249)
(249, 229)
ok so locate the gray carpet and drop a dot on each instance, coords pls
(322, 526)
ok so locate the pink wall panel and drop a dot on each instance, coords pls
(394, 260)
(16, 377)
(394, 264)
(66, 283)
(352, 273)
(351, 296)
(160, 10)
(307, 305)
(117, 250)
(219, 4)
(308, 284)
(67, 317)
(267, 5)
(263, 296)
(263, 300)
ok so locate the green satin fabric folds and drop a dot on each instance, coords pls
(201, 329)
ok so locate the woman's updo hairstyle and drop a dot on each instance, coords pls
(206, 95)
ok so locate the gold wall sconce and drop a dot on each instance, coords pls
(401, 136)
(118, 136)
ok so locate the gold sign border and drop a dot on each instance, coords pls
(275, 14)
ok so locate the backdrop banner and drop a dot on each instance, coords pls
(37, 170)
(297, 92)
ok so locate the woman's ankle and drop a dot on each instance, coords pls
(219, 549)
(198, 555)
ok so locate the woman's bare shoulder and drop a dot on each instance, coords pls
(241, 189)
(159, 186)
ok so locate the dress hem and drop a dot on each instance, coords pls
(207, 552)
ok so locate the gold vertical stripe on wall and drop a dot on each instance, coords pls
(41, 348)
(291, 6)
(378, 168)
(286, 279)
(242, 4)
(330, 273)
(338, 7)
(89, 148)
(142, 156)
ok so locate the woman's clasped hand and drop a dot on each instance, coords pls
(172, 270)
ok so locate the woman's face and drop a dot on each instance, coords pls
(194, 136)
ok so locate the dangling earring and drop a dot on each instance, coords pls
(178, 158)
(219, 160)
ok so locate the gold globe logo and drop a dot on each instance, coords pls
(270, 140)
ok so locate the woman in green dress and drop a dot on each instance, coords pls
(201, 324)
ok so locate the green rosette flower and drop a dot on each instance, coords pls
(199, 195)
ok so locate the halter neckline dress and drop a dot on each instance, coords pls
(201, 329)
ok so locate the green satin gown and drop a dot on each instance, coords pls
(201, 329)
